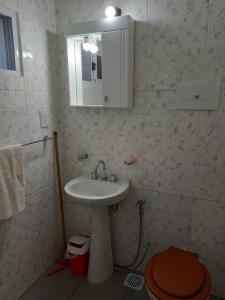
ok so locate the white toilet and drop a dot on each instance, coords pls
(177, 274)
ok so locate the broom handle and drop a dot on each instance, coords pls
(60, 187)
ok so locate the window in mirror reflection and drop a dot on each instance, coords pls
(88, 60)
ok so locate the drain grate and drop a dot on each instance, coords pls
(134, 281)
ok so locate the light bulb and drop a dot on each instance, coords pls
(93, 48)
(86, 46)
(110, 12)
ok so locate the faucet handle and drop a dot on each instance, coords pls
(105, 177)
(114, 178)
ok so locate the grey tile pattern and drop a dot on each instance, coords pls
(136, 295)
(59, 286)
(29, 243)
(67, 286)
(207, 238)
(180, 167)
(31, 240)
(176, 41)
(180, 153)
(112, 290)
(212, 297)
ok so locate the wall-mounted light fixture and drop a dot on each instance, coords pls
(90, 45)
(86, 44)
(93, 48)
(112, 11)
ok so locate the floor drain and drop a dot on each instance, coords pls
(134, 281)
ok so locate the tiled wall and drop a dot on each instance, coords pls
(181, 154)
(31, 240)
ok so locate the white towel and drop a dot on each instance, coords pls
(12, 193)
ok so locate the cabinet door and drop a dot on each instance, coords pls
(112, 68)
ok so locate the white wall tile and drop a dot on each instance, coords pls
(170, 139)
(38, 41)
(11, 83)
(38, 166)
(11, 4)
(207, 237)
(180, 153)
(176, 41)
(13, 124)
(210, 182)
(35, 102)
(140, 55)
(12, 100)
(215, 59)
(216, 20)
(166, 221)
(75, 12)
(23, 258)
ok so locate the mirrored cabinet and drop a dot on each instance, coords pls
(100, 62)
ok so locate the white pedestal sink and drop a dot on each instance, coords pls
(98, 195)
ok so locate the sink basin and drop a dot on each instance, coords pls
(98, 195)
(97, 192)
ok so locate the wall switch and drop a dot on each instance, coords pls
(197, 96)
(43, 118)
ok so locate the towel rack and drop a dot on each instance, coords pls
(60, 189)
(45, 139)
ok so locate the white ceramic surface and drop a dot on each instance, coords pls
(97, 192)
(98, 195)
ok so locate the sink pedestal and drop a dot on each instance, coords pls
(100, 262)
(99, 195)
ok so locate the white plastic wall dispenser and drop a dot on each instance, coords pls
(197, 96)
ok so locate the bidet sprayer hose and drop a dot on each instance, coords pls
(139, 203)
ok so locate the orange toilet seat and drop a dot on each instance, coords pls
(177, 274)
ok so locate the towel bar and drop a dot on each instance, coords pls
(45, 139)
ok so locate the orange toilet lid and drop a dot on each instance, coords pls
(176, 273)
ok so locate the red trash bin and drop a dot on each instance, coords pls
(78, 254)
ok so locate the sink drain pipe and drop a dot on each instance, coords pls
(131, 266)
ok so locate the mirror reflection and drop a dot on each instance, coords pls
(88, 61)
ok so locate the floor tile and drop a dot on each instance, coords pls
(212, 297)
(131, 294)
(110, 290)
(60, 286)
(66, 286)
(118, 276)
(29, 297)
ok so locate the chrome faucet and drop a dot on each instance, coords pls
(95, 173)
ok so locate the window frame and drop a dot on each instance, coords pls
(17, 52)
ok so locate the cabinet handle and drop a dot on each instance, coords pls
(106, 98)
